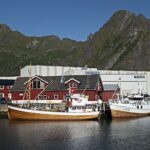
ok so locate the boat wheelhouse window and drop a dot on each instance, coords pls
(73, 108)
(136, 98)
(55, 96)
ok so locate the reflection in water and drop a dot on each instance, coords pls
(103, 134)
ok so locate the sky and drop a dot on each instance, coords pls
(74, 19)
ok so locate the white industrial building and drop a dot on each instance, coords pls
(52, 70)
(8, 78)
(129, 81)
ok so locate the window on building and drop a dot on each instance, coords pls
(21, 94)
(45, 97)
(73, 84)
(64, 96)
(42, 85)
(1, 95)
(39, 97)
(37, 84)
(55, 96)
(1, 86)
(9, 86)
(9, 95)
(70, 85)
(42, 97)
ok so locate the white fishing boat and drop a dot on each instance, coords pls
(132, 106)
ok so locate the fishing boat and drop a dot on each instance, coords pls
(76, 108)
(134, 105)
(131, 106)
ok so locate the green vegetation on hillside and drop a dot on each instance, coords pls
(122, 43)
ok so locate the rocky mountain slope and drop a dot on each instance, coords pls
(123, 43)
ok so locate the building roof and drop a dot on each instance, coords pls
(110, 87)
(6, 82)
(57, 83)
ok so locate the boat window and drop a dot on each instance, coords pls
(79, 107)
(135, 98)
(73, 108)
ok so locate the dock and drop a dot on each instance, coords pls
(3, 110)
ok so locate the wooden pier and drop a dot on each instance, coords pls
(3, 110)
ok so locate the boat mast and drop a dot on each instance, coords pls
(29, 88)
(121, 94)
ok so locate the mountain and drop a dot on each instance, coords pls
(123, 43)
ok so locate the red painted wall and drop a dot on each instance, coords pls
(17, 95)
(5, 91)
(108, 95)
(50, 94)
(93, 94)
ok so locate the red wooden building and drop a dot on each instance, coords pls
(109, 91)
(5, 85)
(58, 87)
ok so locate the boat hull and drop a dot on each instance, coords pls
(118, 111)
(26, 114)
(124, 114)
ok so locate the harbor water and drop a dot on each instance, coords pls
(128, 134)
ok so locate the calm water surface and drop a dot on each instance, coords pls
(85, 135)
